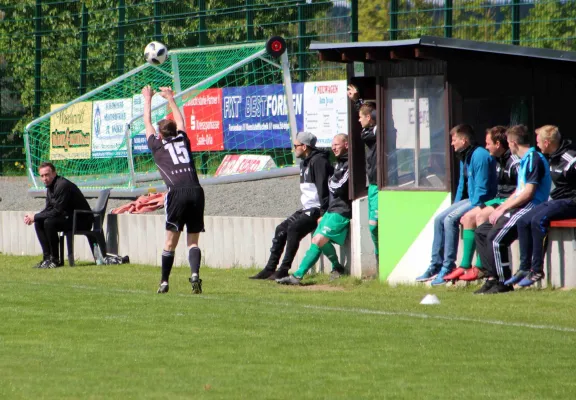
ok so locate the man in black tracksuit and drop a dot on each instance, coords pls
(62, 198)
(533, 227)
(315, 169)
(333, 228)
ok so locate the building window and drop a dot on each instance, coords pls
(415, 133)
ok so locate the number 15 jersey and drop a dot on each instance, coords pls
(173, 157)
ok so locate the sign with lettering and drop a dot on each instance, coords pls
(71, 132)
(240, 164)
(325, 110)
(203, 116)
(108, 129)
(256, 117)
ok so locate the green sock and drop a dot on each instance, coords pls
(330, 252)
(469, 247)
(374, 234)
(478, 261)
(311, 258)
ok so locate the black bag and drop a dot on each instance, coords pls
(112, 259)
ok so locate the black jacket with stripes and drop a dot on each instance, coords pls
(338, 186)
(563, 172)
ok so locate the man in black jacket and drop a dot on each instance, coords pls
(334, 224)
(315, 169)
(533, 227)
(62, 198)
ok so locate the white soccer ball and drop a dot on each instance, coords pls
(155, 53)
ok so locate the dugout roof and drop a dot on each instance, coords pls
(432, 47)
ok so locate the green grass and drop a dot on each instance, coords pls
(103, 333)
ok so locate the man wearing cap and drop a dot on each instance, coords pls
(315, 169)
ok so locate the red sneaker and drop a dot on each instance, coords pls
(472, 274)
(455, 274)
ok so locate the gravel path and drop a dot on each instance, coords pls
(278, 197)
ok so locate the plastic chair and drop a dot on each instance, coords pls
(94, 236)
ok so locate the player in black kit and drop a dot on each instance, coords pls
(185, 198)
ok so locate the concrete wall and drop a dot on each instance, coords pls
(227, 242)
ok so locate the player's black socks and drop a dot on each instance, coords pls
(194, 256)
(167, 263)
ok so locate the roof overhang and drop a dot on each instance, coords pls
(432, 47)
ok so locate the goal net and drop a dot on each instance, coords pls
(237, 100)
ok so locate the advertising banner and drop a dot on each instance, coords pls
(241, 164)
(71, 132)
(203, 116)
(108, 129)
(325, 110)
(256, 117)
(139, 144)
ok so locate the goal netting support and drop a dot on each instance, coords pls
(238, 105)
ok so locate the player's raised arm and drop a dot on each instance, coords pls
(147, 93)
(168, 94)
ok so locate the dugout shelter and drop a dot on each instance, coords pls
(423, 87)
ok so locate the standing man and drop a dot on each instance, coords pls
(185, 198)
(507, 165)
(315, 169)
(62, 198)
(494, 237)
(477, 185)
(533, 227)
(333, 226)
(367, 119)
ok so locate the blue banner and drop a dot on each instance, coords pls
(256, 117)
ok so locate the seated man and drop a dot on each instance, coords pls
(62, 198)
(315, 169)
(333, 226)
(494, 237)
(533, 227)
(477, 185)
(507, 171)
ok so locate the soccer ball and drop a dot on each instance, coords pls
(155, 53)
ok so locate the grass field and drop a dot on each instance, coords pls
(103, 333)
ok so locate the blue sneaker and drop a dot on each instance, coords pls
(531, 279)
(430, 274)
(518, 276)
(439, 280)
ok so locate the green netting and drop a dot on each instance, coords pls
(97, 140)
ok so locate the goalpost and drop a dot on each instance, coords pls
(237, 100)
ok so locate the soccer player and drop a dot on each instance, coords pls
(477, 185)
(333, 227)
(315, 169)
(185, 198)
(533, 227)
(507, 165)
(367, 119)
(494, 237)
(62, 198)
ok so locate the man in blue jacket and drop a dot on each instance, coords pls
(478, 183)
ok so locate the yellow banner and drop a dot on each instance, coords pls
(71, 132)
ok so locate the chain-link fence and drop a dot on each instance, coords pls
(52, 51)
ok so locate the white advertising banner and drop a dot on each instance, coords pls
(325, 110)
(109, 119)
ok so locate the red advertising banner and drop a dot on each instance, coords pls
(203, 115)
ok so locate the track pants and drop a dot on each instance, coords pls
(533, 231)
(289, 234)
(493, 241)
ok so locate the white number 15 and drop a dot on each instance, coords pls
(177, 152)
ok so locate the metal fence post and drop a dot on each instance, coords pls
(38, 59)
(202, 39)
(157, 18)
(121, 37)
(354, 21)
(516, 22)
(249, 20)
(301, 42)
(393, 19)
(448, 13)
(83, 49)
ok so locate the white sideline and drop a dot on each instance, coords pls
(335, 309)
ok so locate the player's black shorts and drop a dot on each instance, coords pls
(185, 206)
